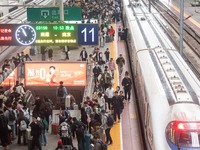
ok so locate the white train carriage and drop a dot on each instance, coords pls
(168, 91)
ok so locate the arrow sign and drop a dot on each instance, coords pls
(44, 13)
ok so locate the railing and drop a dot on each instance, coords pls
(90, 82)
(29, 99)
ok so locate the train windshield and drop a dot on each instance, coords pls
(184, 134)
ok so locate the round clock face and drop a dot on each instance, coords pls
(25, 35)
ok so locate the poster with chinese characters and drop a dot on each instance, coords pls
(51, 73)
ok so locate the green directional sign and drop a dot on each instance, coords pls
(53, 14)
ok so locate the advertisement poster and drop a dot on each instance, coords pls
(51, 73)
(11, 79)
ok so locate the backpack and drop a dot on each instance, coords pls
(65, 131)
(88, 110)
(26, 113)
(11, 115)
(45, 124)
(103, 145)
(110, 121)
(22, 125)
(80, 129)
(60, 92)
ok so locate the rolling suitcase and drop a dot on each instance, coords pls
(28, 133)
(55, 126)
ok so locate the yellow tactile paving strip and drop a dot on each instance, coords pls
(115, 131)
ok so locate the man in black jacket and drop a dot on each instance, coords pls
(36, 130)
(83, 54)
(97, 71)
(127, 83)
(117, 106)
(78, 128)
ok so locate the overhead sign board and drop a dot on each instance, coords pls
(87, 34)
(48, 34)
(53, 14)
(51, 73)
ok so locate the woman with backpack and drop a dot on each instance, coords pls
(106, 126)
(22, 123)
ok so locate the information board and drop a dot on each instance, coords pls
(48, 34)
(51, 73)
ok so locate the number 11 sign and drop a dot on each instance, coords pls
(88, 34)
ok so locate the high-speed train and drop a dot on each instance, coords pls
(168, 91)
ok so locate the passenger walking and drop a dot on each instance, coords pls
(61, 94)
(45, 126)
(107, 54)
(109, 93)
(50, 54)
(97, 71)
(120, 32)
(66, 50)
(96, 54)
(78, 129)
(84, 54)
(127, 83)
(111, 33)
(111, 67)
(43, 52)
(101, 63)
(106, 79)
(36, 131)
(4, 130)
(122, 98)
(105, 127)
(120, 63)
(117, 106)
(22, 123)
(11, 116)
(97, 87)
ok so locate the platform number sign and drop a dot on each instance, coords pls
(88, 34)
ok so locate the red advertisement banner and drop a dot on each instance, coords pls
(51, 73)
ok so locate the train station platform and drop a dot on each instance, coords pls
(126, 133)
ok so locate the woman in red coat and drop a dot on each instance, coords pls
(111, 33)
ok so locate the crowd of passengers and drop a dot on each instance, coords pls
(10, 64)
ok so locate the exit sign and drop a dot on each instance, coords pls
(53, 14)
